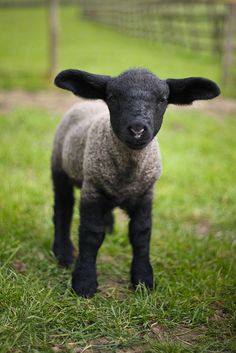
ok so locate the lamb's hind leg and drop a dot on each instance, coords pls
(63, 210)
(109, 221)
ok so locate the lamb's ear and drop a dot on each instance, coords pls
(187, 90)
(82, 83)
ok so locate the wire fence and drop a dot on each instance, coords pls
(31, 3)
(202, 26)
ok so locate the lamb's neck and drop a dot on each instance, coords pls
(127, 156)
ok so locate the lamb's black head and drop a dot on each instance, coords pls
(136, 99)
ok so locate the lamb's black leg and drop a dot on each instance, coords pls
(91, 235)
(140, 234)
(63, 210)
(109, 222)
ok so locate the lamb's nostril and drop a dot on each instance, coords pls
(136, 131)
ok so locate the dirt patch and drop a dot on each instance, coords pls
(53, 102)
(19, 266)
(96, 346)
(180, 333)
(220, 106)
(74, 348)
(115, 287)
(59, 101)
(219, 315)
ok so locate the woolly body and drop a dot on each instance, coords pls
(88, 151)
(110, 151)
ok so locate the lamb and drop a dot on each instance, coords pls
(106, 146)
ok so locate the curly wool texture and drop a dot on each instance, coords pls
(86, 148)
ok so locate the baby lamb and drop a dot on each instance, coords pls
(108, 149)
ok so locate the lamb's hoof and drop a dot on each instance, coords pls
(84, 288)
(64, 254)
(64, 262)
(148, 283)
(142, 275)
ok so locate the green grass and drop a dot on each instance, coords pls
(192, 250)
(88, 46)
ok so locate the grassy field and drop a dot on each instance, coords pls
(91, 47)
(192, 250)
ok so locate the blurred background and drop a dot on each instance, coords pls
(173, 38)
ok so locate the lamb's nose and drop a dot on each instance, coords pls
(136, 130)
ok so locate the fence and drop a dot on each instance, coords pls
(31, 3)
(199, 25)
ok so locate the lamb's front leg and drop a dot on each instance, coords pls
(140, 234)
(91, 235)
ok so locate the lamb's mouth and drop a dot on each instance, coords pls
(137, 145)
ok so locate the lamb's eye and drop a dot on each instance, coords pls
(111, 97)
(162, 99)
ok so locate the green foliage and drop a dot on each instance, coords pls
(192, 250)
(85, 45)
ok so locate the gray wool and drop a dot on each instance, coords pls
(88, 151)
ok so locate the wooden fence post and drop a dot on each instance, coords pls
(229, 43)
(53, 37)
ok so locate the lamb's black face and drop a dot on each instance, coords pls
(137, 100)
